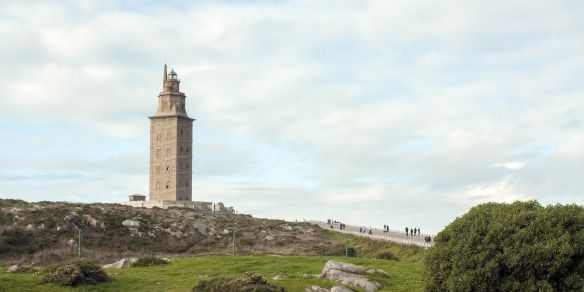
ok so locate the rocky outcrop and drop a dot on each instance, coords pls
(316, 289)
(333, 289)
(123, 263)
(340, 289)
(353, 275)
(131, 223)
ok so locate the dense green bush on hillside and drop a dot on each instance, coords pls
(75, 273)
(19, 241)
(253, 282)
(510, 247)
(13, 203)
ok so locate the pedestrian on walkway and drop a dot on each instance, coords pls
(406, 231)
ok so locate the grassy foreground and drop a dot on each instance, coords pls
(183, 273)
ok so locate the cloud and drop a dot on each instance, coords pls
(510, 165)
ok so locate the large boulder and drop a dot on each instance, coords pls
(316, 289)
(350, 274)
(12, 269)
(340, 289)
(123, 263)
(345, 267)
(131, 223)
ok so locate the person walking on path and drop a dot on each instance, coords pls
(406, 231)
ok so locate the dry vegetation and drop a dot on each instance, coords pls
(47, 232)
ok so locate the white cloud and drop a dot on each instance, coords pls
(510, 165)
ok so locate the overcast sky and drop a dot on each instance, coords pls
(387, 112)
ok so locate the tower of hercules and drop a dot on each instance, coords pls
(171, 143)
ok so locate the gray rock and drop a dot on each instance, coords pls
(12, 269)
(349, 274)
(278, 277)
(345, 267)
(131, 223)
(269, 238)
(315, 289)
(340, 289)
(379, 272)
(123, 263)
(90, 220)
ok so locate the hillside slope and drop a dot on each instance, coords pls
(46, 232)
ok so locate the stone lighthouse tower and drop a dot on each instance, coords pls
(171, 144)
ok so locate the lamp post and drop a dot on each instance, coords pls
(78, 240)
(233, 241)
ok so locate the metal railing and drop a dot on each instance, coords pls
(379, 235)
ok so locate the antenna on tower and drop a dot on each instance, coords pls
(165, 76)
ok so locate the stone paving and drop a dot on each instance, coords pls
(378, 234)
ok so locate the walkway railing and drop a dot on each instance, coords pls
(378, 234)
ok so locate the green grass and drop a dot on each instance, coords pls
(183, 273)
(367, 248)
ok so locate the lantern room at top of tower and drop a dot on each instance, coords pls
(171, 82)
(172, 75)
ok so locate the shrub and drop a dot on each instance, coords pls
(75, 273)
(18, 240)
(510, 247)
(386, 255)
(149, 261)
(253, 282)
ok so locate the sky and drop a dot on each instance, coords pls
(405, 113)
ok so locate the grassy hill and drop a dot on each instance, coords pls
(47, 232)
(183, 273)
(41, 233)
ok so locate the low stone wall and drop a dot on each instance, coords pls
(203, 206)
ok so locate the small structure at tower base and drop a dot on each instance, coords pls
(206, 207)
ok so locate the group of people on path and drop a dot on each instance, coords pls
(331, 222)
(412, 231)
(364, 230)
(409, 231)
(428, 239)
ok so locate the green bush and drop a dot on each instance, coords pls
(510, 247)
(253, 282)
(75, 273)
(149, 261)
(386, 255)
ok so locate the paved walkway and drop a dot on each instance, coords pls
(378, 234)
